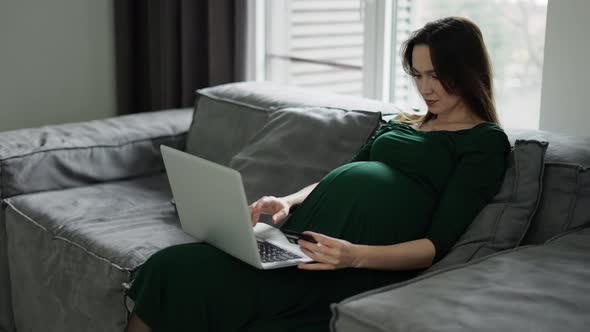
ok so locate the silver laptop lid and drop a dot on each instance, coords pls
(211, 204)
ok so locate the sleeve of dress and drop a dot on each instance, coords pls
(477, 177)
(364, 153)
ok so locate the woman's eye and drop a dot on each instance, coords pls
(435, 77)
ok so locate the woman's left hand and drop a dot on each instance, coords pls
(329, 253)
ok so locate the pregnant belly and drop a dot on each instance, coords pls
(367, 202)
(376, 180)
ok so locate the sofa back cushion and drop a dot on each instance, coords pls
(562, 148)
(220, 129)
(503, 222)
(565, 197)
(77, 154)
(228, 116)
(565, 202)
(298, 146)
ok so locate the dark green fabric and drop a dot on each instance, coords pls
(404, 184)
(463, 168)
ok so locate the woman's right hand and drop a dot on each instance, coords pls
(277, 206)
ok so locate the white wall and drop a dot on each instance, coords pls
(565, 97)
(57, 61)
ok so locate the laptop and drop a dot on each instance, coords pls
(211, 205)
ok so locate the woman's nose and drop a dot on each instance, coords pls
(424, 86)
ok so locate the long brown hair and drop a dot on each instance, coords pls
(461, 62)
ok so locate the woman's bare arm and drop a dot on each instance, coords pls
(409, 255)
(331, 253)
(278, 207)
(301, 195)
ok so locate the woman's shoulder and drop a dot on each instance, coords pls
(489, 136)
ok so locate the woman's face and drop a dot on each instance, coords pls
(436, 97)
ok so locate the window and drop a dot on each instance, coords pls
(352, 47)
(316, 44)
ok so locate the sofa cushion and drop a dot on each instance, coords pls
(298, 146)
(562, 148)
(530, 288)
(503, 222)
(78, 247)
(565, 202)
(228, 116)
(78, 154)
(220, 128)
(6, 315)
(123, 222)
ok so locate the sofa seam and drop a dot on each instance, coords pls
(513, 194)
(533, 141)
(346, 110)
(34, 222)
(575, 229)
(271, 108)
(149, 173)
(537, 198)
(578, 166)
(89, 147)
(231, 101)
(573, 205)
(492, 238)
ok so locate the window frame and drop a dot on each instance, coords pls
(255, 40)
(378, 17)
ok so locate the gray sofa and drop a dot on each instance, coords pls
(84, 205)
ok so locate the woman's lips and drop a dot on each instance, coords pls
(430, 102)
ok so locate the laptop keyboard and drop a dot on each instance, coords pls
(271, 253)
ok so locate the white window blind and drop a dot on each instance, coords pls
(316, 44)
(402, 86)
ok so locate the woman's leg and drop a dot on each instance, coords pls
(193, 286)
(197, 287)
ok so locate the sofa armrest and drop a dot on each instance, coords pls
(529, 288)
(78, 154)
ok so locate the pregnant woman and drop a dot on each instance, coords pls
(396, 208)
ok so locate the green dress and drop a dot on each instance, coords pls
(403, 185)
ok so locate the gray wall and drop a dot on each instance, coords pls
(56, 62)
(566, 71)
